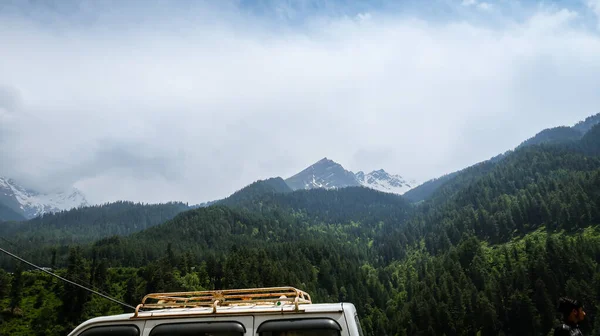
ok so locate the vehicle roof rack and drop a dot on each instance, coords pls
(274, 296)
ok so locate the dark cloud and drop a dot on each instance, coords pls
(135, 158)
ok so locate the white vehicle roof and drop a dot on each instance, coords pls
(234, 310)
(245, 302)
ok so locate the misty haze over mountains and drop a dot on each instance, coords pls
(19, 203)
(27, 204)
(119, 107)
(435, 163)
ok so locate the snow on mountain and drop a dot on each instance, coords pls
(383, 181)
(325, 174)
(328, 174)
(31, 203)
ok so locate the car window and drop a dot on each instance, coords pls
(306, 332)
(122, 330)
(300, 327)
(199, 329)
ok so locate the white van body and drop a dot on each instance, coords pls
(229, 313)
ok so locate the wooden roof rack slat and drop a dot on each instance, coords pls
(274, 296)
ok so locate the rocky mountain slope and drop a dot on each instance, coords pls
(31, 203)
(328, 174)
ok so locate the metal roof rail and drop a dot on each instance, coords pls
(275, 296)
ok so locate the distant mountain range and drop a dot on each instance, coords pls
(328, 174)
(89, 223)
(490, 249)
(18, 202)
(324, 174)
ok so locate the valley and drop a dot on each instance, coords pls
(485, 250)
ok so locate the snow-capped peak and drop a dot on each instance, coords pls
(383, 181)
(31, 203)
(325, 174)
(328, 174)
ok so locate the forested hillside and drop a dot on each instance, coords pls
(488, 253)
(425, 190)
(330, 206)
(349, 215)
(249, 194)
(562, 135)
(556, 135)
(84, 225)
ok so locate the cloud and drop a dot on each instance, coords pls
(594, 6)
(9, 105)
(485, 6)
(157, 103)
(9, 99)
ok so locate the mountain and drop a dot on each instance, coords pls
(203, 204)
(8, 214)
(270, 219)
(360, 204)
(383, 181)
(532, 187)
(256, 190)
(585, 125)
(30, 203)
(453, 180)
(556, 135)
(489, 253)
(327, 174)
(590, 142)
(425, 190)
(561, 135)
(85, 224)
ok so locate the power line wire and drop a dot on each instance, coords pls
(72, 276)
(66, 280)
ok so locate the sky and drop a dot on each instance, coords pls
(155, 101)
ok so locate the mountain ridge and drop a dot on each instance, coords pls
(328, 174)
(91, 222)
(488, 254)
(324, 173)
(569, 135)
(31, 203)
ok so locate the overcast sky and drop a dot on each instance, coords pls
(189, 100)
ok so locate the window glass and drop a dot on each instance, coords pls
(199, 329)
(303, 332)
(300, 327)
(122, 330)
